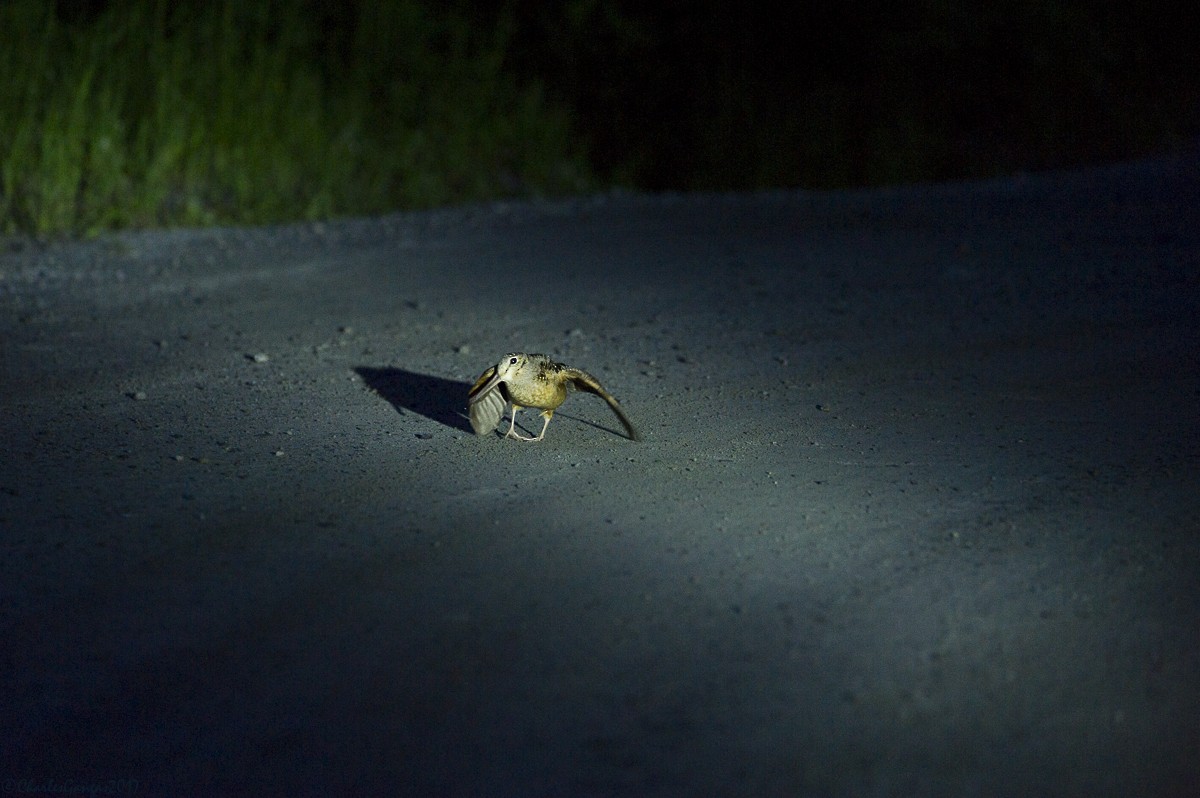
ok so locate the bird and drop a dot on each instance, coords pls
(531, 380)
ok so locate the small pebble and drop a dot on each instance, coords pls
(258, 357)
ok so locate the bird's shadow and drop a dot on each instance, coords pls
(440, 400)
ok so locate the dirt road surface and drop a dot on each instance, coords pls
(916, 509)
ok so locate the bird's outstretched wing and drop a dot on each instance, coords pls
(486, 403)
(583, 381)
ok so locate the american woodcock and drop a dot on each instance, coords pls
(531, 380)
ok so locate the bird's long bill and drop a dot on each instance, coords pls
(486, 382)
(485, 404)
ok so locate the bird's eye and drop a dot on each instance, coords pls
(512, 360)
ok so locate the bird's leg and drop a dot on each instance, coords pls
(546, 414)
(512, 433)
(512, 424)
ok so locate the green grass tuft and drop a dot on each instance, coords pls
(160, 112)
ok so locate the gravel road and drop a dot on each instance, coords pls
(916, 509)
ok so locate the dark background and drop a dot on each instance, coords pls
(717, 95)
(721, 95)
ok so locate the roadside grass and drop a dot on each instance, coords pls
(151, 113)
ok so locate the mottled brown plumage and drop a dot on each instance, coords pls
(531, 380)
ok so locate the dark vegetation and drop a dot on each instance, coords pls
(166, 112)
(711, 94)
(163, 112)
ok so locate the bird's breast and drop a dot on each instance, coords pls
(542, 394)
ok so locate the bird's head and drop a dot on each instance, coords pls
(510, 365)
